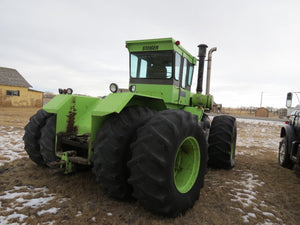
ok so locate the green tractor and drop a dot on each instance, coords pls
(152, 142)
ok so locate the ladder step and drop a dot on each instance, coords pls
(79, 160)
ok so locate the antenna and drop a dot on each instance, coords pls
(261, 98)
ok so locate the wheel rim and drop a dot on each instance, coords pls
(232, 150)
(233, 145)
(187, 164)
(282, 153)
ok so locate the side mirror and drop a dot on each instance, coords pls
(289, 100)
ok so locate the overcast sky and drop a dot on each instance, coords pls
(81, 44)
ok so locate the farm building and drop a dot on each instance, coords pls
(15, 90)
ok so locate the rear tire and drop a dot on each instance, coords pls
(32, 136)
(112, 150)
(47, 141)
(222, 142)
(168, 163)
(283, 154)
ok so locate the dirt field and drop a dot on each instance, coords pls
(256, 191)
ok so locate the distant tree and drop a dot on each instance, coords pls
(49, 94)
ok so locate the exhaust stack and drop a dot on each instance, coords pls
(209, 70)
(202, 55)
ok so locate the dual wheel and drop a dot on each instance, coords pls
(159, 158)
(39, 138)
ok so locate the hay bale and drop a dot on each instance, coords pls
(262, 112)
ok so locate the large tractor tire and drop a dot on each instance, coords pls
(32, 136)
(112, 150)
(222, 142)
(283, 154)
(168, 163)
(47, 141)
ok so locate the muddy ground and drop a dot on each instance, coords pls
(256, 191)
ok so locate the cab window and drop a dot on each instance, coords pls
(151, 65)
(177, 66)
(191, 71)
(184, 73)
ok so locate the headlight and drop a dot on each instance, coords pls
(113, 87)
(69, 91)
(132, 88)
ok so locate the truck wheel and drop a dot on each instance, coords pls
(283, 154)
(32, 136)
(222, 142)
(112, 150)
(47, 140)
(168, 163)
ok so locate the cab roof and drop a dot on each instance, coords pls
(160, 44)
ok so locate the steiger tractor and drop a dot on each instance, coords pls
(152, 143)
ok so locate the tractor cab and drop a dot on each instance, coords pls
(161, 68)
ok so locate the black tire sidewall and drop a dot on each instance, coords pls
(154, 154)
(32, 136)
(112, 150)
(178, 198)
(223, 134)
(233, 141)
(287, 162)
(47, 140)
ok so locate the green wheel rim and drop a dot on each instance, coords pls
(232, 150)
(187, 164)
(232, 145)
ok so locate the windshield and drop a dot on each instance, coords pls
(153, 65)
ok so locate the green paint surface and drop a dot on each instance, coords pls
(187, 164)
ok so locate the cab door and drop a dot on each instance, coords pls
(184, 94)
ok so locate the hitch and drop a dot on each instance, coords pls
(69, 166)
(68, 159)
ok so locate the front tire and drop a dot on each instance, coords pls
(168, 163)
(222, 142)
(283, 154)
